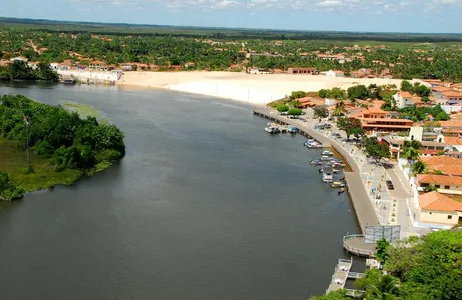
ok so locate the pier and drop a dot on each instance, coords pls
(304, 130)
(341, 275)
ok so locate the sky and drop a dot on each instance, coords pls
(426, 16)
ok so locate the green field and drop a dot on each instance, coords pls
(13, 161)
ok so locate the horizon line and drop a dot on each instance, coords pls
(3, 18)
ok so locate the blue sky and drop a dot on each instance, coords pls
(340, 15)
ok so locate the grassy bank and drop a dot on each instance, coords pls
(13, 162)
(84, 111)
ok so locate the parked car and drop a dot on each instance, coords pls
(390, 185)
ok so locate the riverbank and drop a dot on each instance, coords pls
(13, 162)
(255, 89)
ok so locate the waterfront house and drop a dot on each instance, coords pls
(306, 71)
(444, 184)
(436, 208)
(65, 65)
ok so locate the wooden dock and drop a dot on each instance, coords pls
(341, 275)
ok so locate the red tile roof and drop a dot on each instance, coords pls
(405, 94)
(439, 202)
(439, 179)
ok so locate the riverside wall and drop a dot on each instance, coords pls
(364, 209)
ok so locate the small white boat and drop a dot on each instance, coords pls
(271, 129)
(315, 162)
(336, 170)
(327, 153)
(325, 158)
(337, 184)
(327, 174)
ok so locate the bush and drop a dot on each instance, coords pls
(282, 108)
(295, 111)
(108, 155)
(8, 190)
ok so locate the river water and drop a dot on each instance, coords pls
(205, 205)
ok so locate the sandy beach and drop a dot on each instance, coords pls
(251, 88)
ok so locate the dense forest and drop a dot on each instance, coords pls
(425, 268)
(214, 50)
(62, 137)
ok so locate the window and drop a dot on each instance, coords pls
(430, 213)
(447, 187)
(449, 217)
(437, 186)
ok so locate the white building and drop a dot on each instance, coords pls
(329, 102)
(405, 99)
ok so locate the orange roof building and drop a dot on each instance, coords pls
(450, 166)
(374, 118)
(437, 208)
(444, 184)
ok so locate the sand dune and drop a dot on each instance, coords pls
(254, 89)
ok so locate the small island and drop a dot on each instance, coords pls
(42, 146)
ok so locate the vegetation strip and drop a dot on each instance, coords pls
(62, 146)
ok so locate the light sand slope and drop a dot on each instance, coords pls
(255, 89)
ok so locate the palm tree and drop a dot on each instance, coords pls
(386, 289)
(419, 167)
(411, 150)
(339, 109)
(296, 103)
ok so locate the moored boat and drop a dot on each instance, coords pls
(272, 129)
(341, 190)
(327, 153)
(337, 184)
(315, 162)
(327, 174)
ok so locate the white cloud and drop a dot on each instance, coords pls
(397, 6)
(330, 3)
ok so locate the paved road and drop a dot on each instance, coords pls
(400, 192)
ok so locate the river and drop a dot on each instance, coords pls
(205, 205)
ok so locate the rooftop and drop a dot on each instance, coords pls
(439, 179)
(439, 202)
(405, 94)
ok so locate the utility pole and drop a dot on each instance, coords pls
(27, 144)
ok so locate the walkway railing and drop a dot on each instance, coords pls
(357, 250)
